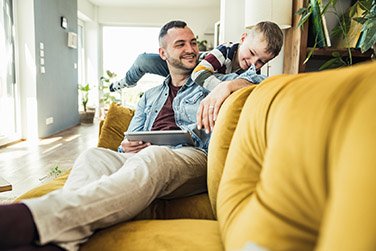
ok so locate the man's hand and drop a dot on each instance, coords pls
(133, 146)
(209, 106)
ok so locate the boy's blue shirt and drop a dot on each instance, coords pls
(185, 106)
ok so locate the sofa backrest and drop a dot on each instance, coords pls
(221, 137)
(301, 168)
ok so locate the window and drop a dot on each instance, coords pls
(121, 46)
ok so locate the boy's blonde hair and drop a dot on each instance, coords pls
(272, 34)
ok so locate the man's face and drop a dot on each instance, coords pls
(252, 51)
(180, 49)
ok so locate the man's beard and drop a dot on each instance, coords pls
(179, 64)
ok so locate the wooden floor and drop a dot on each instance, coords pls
(27, 164)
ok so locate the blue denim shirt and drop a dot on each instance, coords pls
(185, 106)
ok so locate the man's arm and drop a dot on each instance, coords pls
(137, 124)
(209, 106)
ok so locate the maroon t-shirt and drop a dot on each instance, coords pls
(165, 120)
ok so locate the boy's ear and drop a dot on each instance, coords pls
(162, 53)
(242, 38)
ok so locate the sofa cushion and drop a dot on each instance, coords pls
(116, 123)
(221, 138)
(158, 235)
(300, 171)
(45, 188)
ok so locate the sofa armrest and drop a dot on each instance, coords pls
(100, 127)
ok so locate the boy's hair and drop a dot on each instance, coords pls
(169, 25)
(272, 34)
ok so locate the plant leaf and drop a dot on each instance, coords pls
(303, 19)
(326, 7)
(353, 10)
(361, 20)
(311, 52)
(300, 11)
(370, 39)
(329, 63)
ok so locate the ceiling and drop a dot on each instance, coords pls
(157, 3)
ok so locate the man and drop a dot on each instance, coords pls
(107, 187)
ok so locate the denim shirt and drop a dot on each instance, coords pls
(185, 106)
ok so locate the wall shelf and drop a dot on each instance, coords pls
(343, 52)
(296, 49)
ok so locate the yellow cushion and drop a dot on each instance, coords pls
(158, 235)
(301, 174)
(221, 137)
(46, 188)
(192, 207)
(114, 126)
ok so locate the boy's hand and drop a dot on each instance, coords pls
(133, 146)
(209, 106)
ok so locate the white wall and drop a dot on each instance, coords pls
(26, 67)
(200, 20)
(232, 26)
(232, 21)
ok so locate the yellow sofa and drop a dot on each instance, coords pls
(291, 166)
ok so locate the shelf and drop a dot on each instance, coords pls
(343, 52)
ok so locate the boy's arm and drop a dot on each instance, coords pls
(145, 63)
(211, 63)
(250, 75)
(209, 106)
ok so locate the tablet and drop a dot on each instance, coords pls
(174, 137)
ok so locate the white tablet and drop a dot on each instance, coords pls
(174, 137)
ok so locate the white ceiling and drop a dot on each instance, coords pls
(158, 3)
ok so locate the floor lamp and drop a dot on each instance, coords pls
(277, 11)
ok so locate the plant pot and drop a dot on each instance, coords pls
(87, 117)
(201, 47)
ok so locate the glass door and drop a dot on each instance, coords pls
(8, 126)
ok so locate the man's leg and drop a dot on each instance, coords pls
(68, 216)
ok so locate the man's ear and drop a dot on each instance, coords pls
(242, 38)
(162, 53)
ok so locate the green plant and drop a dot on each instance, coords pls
(107, 97)
(368, 19)
(201, 43)
(84, 90)
(55, 171)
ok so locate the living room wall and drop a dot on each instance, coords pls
(200, 19)
(56, 89)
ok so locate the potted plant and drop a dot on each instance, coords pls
(87, 115)
(367, 19)
(107, 97)
(201, 44)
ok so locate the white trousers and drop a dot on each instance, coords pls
(106, 187)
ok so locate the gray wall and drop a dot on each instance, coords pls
(57, 94)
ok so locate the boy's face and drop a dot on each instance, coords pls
(252, 50)
(180, 49)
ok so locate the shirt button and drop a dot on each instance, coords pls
(156, 111)
(165, 94)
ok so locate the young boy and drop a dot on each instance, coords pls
(226, 62)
